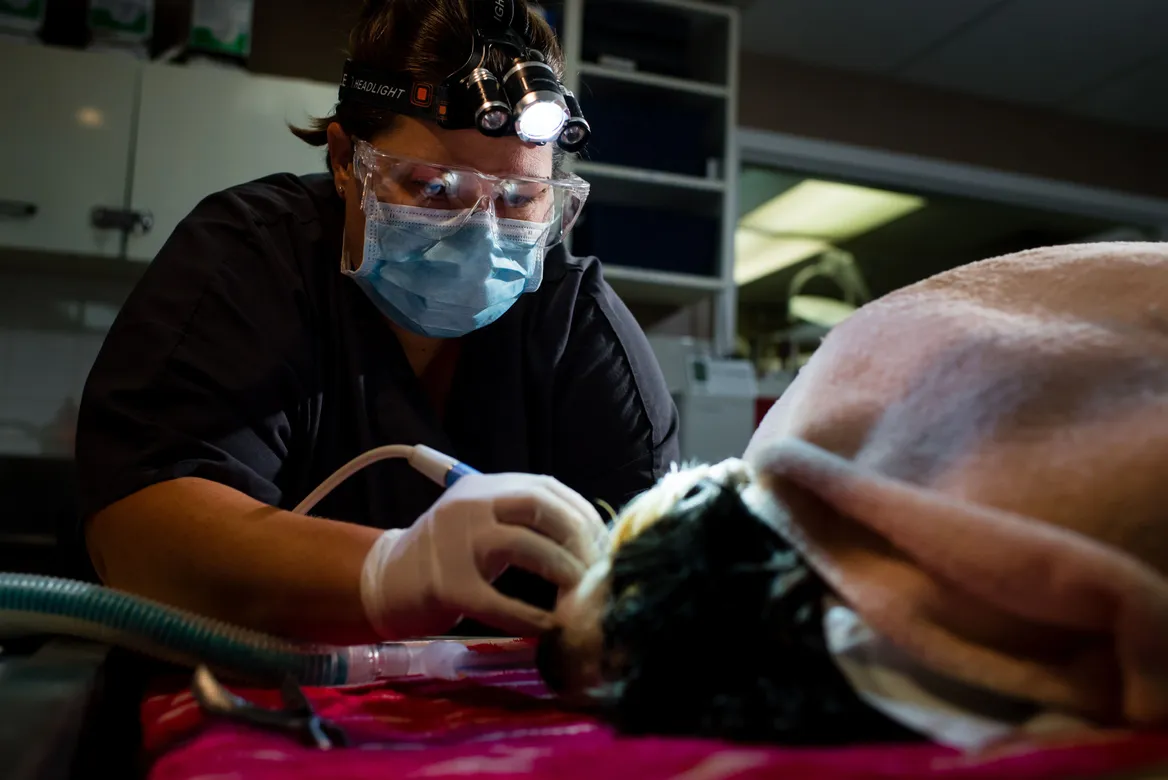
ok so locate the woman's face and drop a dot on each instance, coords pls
(506, 156)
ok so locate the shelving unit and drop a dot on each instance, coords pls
(647, 177)
(664, 147)
(656, 82)
(650, 286)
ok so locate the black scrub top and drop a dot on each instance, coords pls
(245, 357)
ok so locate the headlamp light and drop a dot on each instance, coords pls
(536, 101)
(528, 100)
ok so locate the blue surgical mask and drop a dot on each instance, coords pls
(445, 281)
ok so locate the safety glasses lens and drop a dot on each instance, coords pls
(461, 193)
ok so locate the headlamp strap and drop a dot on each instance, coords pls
(502, 22)
(392, 92)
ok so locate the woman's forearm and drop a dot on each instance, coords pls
(208, 548)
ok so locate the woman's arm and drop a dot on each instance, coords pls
(189, 416)
(208, 548)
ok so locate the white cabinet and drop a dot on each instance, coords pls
(64, 146)
(203, 129)
(84, 130)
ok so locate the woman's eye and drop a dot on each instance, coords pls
(432, 188)
(517, 200)
(516, 195)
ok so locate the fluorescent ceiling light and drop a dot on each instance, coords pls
(757, 255)
(803, 221)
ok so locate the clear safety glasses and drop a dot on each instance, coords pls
(394, 180)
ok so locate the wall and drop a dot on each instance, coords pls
(306, 38)
(790, 97)
(52, 324)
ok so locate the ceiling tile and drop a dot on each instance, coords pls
(1138, 98)
(871, 35)
(1046, 51)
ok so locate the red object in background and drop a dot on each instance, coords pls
(761, 407)
(503, 725)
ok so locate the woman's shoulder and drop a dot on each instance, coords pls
(580, 274)
(269, 226)
(278, 199)
(576, 286)
(248, 247)
(583, 317)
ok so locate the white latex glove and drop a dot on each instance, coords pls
(422, 580)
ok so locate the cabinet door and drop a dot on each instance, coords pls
(64, 146)
(203, 129)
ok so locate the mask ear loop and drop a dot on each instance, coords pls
(360, 172)
(361, 175)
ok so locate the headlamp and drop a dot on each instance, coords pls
(491, 113)
(528, 100)
(536, 101)
(576, 130)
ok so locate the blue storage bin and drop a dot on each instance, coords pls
(648, 238)
(647, 132)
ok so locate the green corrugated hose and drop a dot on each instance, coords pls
(31, 604)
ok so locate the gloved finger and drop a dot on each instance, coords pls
(583, 505)
(508, 545)
(541, 509)
(515, 617)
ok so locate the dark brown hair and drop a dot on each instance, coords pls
(429, 39)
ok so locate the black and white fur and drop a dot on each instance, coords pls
(703, 621)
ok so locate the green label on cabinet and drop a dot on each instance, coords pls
(121, 19)
(222, 26)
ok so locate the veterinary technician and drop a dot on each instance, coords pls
(417, 293)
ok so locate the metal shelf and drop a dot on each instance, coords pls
(639, 187)
(689, 86)
(647, 176)
(647, 285)
(693, 6)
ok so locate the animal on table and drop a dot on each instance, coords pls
(973, 465)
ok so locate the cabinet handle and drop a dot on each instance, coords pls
(125, 220)
(17, 209)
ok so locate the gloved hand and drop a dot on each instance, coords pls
(422, 580)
